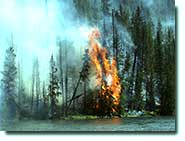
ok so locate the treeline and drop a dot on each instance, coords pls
(147, 70)
(152, 79)
(43, 99)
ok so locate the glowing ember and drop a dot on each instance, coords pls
(106, 72)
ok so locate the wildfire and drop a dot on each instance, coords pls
(106, 71)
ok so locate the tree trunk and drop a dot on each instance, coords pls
(85, 96)
(113, 33)
(61, 77)
(74, 93)
(32, 91)
(131, 85)
(66, 79)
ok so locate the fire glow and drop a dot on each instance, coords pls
(106, 71)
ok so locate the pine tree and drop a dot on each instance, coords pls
(88, 10)
(45, 100)
(106, 7)
(130, 92)
(138, 98)
(33, 88)
(66, 71)
(21, 91)
(137, 35)
(123, 15)
(125, 81)
(9, 82)
(36, 92)
(149, 66)
(61, 73)
(84, 74)
(66, 75)
(168, 89)
(136, 28)
(104, 33)
(159, 63)
(95, 10)
(116, 45)
(53, 90)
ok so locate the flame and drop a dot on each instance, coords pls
(106, 71)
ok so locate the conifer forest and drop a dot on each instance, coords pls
(88, 65)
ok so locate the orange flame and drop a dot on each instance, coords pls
(106, 70)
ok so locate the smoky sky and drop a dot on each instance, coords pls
(35, 26)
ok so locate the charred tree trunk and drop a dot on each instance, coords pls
(66, 88)
(85, 96)
(113, 34)
(66, 80)
(74, 94)
(131, 83)
(115, 38)
(37, 86)
(32, 89)
(74, 101)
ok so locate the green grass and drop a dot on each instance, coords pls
(81, 117)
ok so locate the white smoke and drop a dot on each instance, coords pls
(35, 25)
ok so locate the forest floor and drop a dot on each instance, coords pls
(146, 124)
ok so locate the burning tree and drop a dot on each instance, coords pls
(107, 80)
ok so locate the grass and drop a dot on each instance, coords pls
(92, 117)
(81, 117)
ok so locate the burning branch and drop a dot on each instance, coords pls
(107, 79)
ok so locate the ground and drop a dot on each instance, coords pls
(115, 124)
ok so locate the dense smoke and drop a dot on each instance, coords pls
(34, 26)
